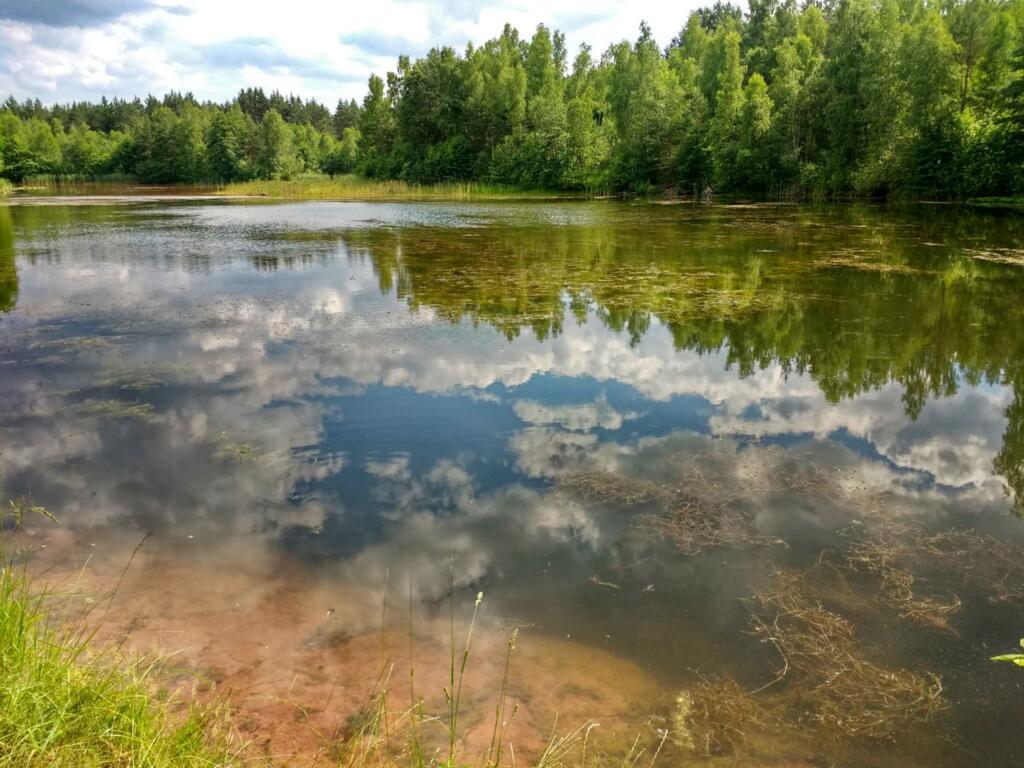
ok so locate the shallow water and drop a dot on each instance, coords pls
(622, 421)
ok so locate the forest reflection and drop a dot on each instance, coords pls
(854, 300)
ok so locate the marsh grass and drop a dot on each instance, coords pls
(67, 701)
(6, 187)
(355, 188)
(997, 202)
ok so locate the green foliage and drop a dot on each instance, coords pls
(276, 157)
(229, 137)
(345, 154)
(66, 702)
(1013, 658)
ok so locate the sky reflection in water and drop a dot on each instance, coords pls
(368, 389)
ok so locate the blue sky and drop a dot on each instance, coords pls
(62, 50)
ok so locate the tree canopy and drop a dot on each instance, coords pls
(856, 97)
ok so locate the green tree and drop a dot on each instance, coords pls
(276, 158)
(345, 156)
(1012, 103)
(346, 115)
(30, 147)
(188, 153)
(797, 62)
(87, 152)
(377, 132)
(496, 91)
(969, 22)
(726, 122)
(754, 159)
(229, 136)
(647, 103)
(588, 134)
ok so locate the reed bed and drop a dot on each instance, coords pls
(356, 188)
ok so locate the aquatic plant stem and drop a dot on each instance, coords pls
(498, 735)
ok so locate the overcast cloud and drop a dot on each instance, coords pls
(63, 50)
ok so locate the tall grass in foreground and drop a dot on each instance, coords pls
(352, 187)
(382, 736)
(68, 703)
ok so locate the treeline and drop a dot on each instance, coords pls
(865, 97)
(177, 139)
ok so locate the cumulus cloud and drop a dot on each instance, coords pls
(579, 417)
(264, 53)
(378, 43)
(129, 48)
(79, 13)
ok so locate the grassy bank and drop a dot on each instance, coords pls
(1016, 203)
(66, 704)
(5, 187)
(355, 188)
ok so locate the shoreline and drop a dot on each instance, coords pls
(352, 190)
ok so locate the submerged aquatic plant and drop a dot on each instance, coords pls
(828, 674)
(891, 561)
(692, 513)
(719, 717)
(1013, 658)
(114, 409)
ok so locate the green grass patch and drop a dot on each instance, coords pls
(355, 188)
(66, 704)
(1016, 202)
(5, 187)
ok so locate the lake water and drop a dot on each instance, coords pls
(687, 451)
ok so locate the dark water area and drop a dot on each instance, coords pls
(625, 422)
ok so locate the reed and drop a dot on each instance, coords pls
(355, 188)
(418, 738)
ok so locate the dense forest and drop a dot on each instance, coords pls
(919, 98)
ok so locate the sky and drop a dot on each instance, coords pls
(66, 50)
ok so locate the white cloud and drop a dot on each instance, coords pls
(84, 49)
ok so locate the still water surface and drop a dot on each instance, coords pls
(624, 422)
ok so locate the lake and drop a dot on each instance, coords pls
(746, 478)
